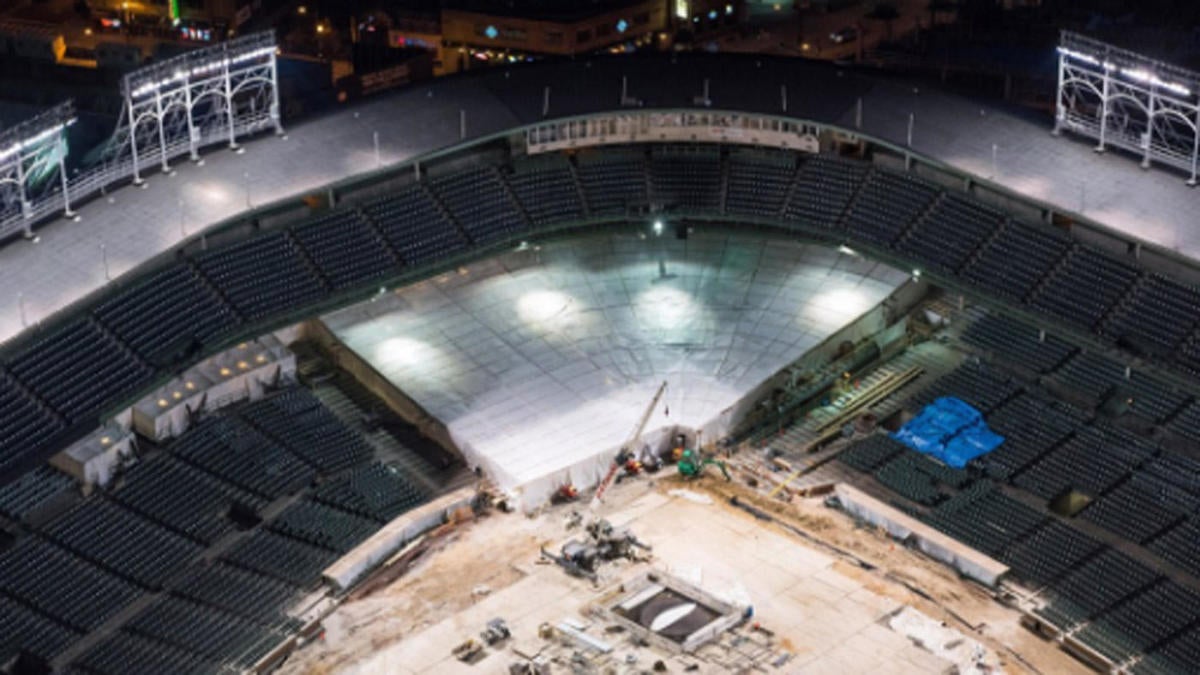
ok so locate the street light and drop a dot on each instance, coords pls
(658, 227)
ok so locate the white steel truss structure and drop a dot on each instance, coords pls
(1128, 101)
(207, 96)
(212, 95)
(32, 169)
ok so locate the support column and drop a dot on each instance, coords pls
(1104, 111)
(137, 176)
(1148, 139)
(26, 207)
(193, 141)
(1060, 104)
(104, 262)
(162, 133)
(276, 113)
(62, 174)
(1195, 147)
(229, 105)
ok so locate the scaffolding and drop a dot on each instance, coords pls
(1129, 101)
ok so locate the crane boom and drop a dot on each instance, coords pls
(637, 431)
(633, 438)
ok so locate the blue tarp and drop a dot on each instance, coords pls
(950, 430)
(969, 444)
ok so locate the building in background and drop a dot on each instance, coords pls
(193, 20)
(705, 17)
(418, 30)
(476, 32)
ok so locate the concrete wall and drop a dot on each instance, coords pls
(969, 562)
(354, 566)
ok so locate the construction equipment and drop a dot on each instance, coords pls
(468, 651)
(691, 465)
(577, 558)
(566, 493)
(604, 543)
(614, 542)
(626, 454)
(537, 666)
(495, 631)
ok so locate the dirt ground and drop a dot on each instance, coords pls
(898, 569)
(453, 575)
(492, 565)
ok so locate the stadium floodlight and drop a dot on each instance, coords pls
(658, 227)
(18, 145)
(1129, 101)
(1147, 77)
(200, 62)
(1079, 56)
(200, 70)
(32, 153)
(35, 130)
(208, 95)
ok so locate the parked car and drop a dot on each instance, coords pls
(844, 35)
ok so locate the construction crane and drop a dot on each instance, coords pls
(626, 452)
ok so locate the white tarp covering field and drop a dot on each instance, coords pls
(541, 361)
